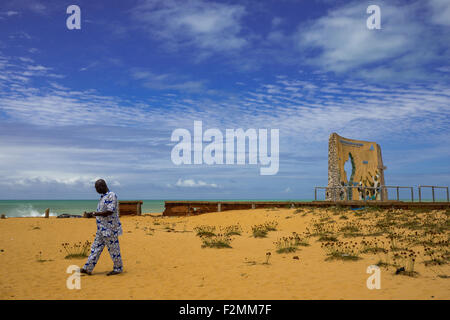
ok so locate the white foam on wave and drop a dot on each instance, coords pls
(28, 211)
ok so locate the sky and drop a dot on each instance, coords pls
(103, 101)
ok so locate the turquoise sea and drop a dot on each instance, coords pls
(36, 208)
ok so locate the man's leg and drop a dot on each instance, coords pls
(96, 251)
(112, 243)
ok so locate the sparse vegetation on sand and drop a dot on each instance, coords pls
(39, 258)
(76, 250)
(149, 231)
(304, 211)
(268, 255)
(221, 239)
(374, 246)
(336, 210)
(339, 250)
(271, 225)
(404, 262)
(253, 262)
(216, 241)
(205, 231)
(436, 257)
(323, 230)
(291, 243)
(169, 227)
(233, 230)
(351, 229)
(397, 237)
(261, 230)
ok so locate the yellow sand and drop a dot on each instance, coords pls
(173, 265)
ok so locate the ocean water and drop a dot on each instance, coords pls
(36, 208)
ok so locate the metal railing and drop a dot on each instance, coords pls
(432, 192)
(346, 190)
(397, 188)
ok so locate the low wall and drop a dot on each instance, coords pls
(184, 208)
(130, 208)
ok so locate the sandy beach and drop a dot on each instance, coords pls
(164, 258)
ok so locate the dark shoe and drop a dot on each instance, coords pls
(85, 271)
(111, 273)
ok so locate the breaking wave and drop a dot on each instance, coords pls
(27, 210)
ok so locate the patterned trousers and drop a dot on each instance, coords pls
(112, 243)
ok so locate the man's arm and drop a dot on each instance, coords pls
(102, 214)
(95, 214)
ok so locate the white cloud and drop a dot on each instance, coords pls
(167, 81)
(34, 6)
(440, 12)
(341, 42)
(38, 68)
(191, 183)
(9, 13)
(20, 35)
(310, 108)
(89, 66)
(54, 178)
(204, 24)
(276, 21)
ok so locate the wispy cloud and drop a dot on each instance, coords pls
(167, 81)
(341, 42)
(9, 13)
(50, 178)
(35, 6)
(89, 66)
(207, 25)
(440, 10)
(20, 35)
(311, 107)
(192, 183)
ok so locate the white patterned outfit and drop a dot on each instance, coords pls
(109, 229)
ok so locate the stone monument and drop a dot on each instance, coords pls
(367, 170)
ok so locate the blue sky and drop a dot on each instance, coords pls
(103, 101)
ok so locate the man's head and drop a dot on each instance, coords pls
(101, 187)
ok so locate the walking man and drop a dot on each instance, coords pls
(109, 229)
